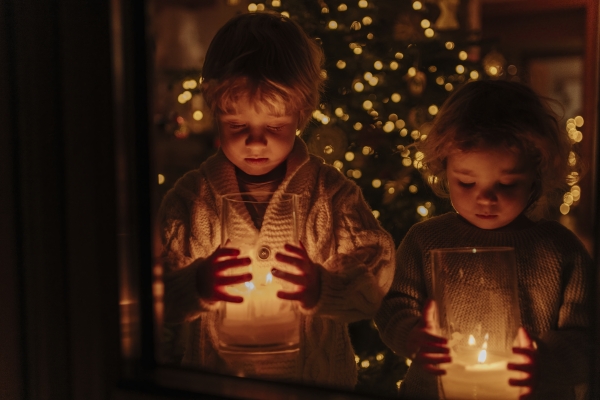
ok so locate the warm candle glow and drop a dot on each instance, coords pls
(482, 356)
(472, 341)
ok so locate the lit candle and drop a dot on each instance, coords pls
(476, 373)
(262, 321)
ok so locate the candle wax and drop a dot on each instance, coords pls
(465, 378)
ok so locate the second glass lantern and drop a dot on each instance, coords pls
(478, 310)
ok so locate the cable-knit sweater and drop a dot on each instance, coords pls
(341, 235)
(555, 279)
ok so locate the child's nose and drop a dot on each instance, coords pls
(487, 196)
(256, 137)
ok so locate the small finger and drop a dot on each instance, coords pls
(291, 295)
(219, 295)
(296, 262)
(432, 358)
(431, 338)
(432, 348)
(232, 263)
(521, 382)
(527, 394)
(521, 367)
(292, 278)
(226, 252)
(299, 251)
(232, 280)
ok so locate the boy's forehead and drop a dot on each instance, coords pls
(274, 107)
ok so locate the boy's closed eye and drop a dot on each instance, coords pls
(466, 184)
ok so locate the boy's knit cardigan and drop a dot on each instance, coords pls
(341, 235)
(555, 278)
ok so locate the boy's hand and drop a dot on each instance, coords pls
(309, 278)
(426, 347)
(210, 277)
(526, 347)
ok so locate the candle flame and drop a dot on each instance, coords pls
(269, 278)
(472, 341)
(249, 285)
(482, 356)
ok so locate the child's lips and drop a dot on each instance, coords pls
(256, 160)
(485, 216)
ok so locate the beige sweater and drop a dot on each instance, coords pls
(340, 234)
(555, 277)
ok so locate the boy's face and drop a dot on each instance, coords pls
(255, 139)
(491, 187)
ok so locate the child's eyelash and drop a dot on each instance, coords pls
(275, 128)
(465, 184)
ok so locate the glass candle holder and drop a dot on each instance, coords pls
(259, 224)
(478, 312)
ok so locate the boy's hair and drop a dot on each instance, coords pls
(268, 58)
(505, 114)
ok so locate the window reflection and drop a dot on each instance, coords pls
(395, 93)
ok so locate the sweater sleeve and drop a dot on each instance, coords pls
(181, 300)
(564, 352)
(358, 274)
(401, 307)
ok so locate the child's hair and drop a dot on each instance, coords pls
(268, 58)
(505, 114)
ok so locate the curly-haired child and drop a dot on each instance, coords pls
(496, 150)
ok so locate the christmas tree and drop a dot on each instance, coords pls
(390, 64)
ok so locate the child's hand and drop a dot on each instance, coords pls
(426, 347)
(526, 347)
(210, 277)
(309, 278)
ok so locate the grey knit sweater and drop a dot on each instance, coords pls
(555, 280)
(340, 234)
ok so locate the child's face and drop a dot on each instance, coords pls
(491, 187)
(256, 140)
